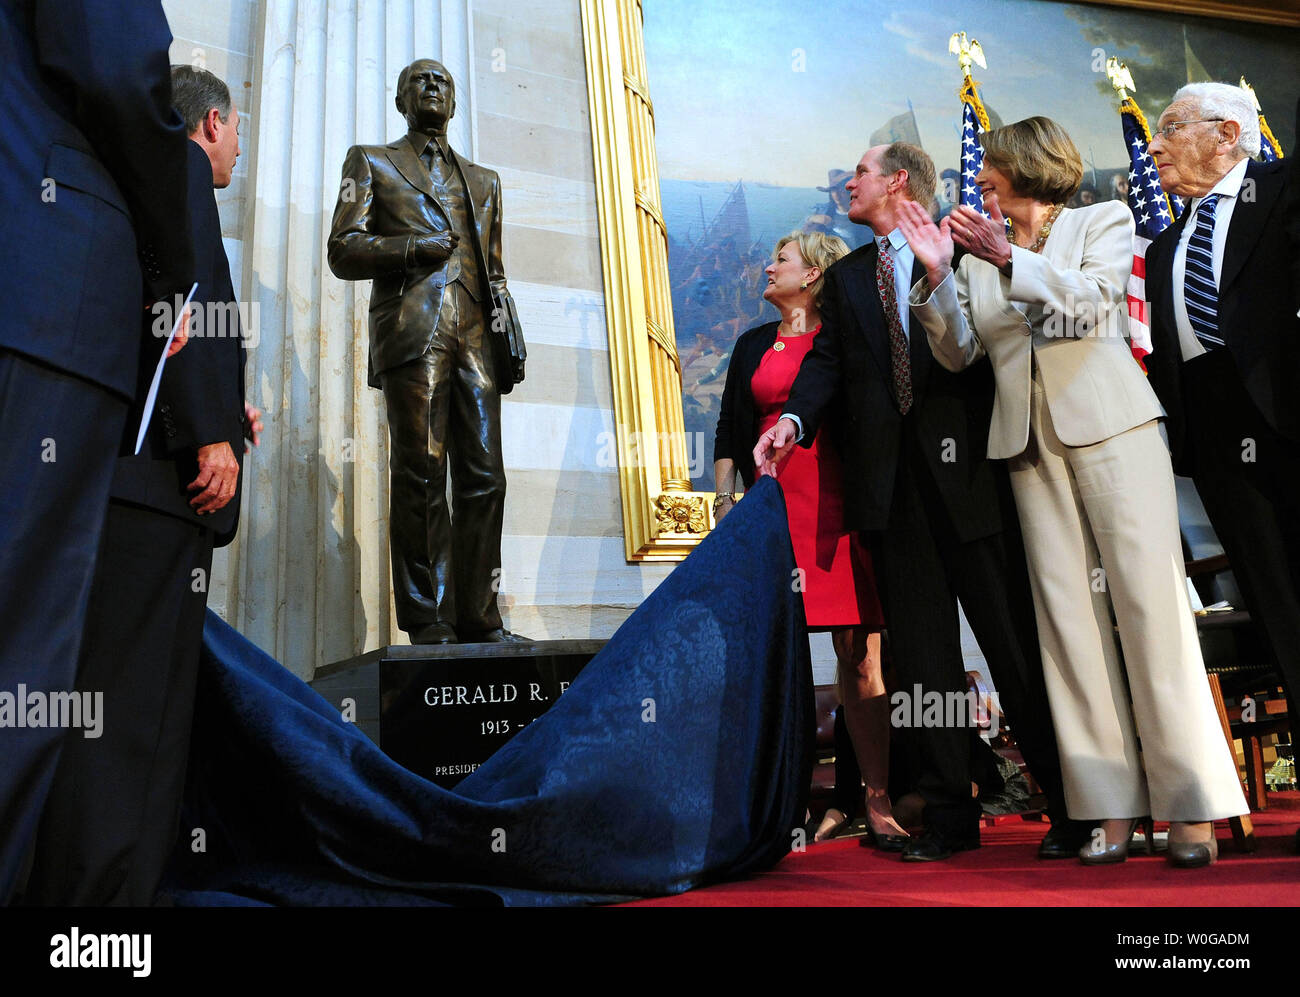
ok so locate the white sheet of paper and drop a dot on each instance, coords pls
(152, 396)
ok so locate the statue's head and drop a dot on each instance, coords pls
(426, 95)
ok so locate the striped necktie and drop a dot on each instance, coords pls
(1200, 293)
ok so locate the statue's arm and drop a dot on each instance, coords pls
(496, 272)
(354, 252)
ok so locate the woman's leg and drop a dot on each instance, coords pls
(866, 713)
(1100, 764)
(1128, 491)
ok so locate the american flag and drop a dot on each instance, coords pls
(1269, 149)
(1153, 212)
(972, 155)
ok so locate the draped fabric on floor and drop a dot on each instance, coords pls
(680, 756)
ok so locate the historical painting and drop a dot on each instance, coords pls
(763, 108)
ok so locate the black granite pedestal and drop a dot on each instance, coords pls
(441, 710)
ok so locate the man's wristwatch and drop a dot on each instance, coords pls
(723, 495)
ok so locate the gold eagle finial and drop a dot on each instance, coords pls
(1120, 78)
(966, 51)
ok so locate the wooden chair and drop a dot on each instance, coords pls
(1235, 657)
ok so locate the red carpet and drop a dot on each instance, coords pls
(1005, 873)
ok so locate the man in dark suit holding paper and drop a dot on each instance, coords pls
(425, 224)
(93, 229)
(110, 822)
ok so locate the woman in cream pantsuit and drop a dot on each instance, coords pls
(1079, 424)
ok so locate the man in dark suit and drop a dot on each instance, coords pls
(425, 225)
(939, 514)
(1226, 347)
(110, 822)
(93, 229)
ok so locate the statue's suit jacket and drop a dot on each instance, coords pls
(1073, 324)
(387, 198)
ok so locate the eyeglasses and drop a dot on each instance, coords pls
(1168, 130)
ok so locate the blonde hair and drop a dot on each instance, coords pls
(818, 249)
(1038, 158)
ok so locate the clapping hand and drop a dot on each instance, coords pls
(931, 244)
(985, 238)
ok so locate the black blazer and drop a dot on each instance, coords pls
(1257, 310)
(737, 431)
(201, 395)
(1291, 200)
(92, 160)
(948, 423)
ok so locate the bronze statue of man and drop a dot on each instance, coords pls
(425, 225)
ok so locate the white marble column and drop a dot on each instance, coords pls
(308, 578)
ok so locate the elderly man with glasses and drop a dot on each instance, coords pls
(1226, 359)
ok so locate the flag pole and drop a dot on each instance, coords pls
(974, 118)
(1269, 147)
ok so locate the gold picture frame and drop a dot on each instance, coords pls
(663, 520)
(1284, 12)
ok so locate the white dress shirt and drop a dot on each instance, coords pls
(901, 253)
(1229, 187)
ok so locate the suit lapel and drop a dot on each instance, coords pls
(861, 290)
(403, 157)
(472, 196)
(1248, 216)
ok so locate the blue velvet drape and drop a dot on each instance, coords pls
(680, 756)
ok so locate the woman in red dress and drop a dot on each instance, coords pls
(835, 573)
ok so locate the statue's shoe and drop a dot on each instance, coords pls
(499, 636)
(434, 633)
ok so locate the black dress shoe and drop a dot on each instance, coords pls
(1064, 839)
(434, 633)
(934, 846)
(500, 636)
(883, 842)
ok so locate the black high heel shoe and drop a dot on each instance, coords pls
(1098, 851)
(882, 840)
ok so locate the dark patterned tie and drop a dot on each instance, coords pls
(902, 361)
(1199, 290)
